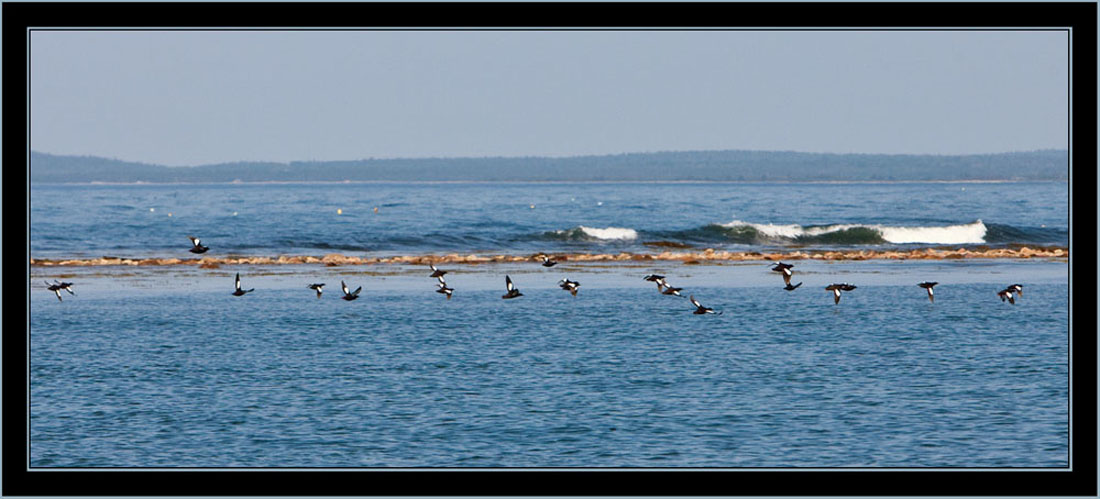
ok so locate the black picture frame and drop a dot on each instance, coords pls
(1077, 17)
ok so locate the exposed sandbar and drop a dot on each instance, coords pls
(688, 257)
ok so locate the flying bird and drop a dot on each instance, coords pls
(196, 246)
(837, 288)
(1018, 288)
(56, 287)
(785, 268)
(317, 288)
(436, 272)
(666, 289)
(547, 261)
(570, 286)
(928, 285)
(239, 291)
(67, 286)
(512, 291)
(443, 287)
(1007, 294)
(352, 295)
(699, 309)
(653, 277)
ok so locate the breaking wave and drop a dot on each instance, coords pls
(582, 233)
(851, 234)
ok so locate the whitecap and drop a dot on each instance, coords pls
(609, 233)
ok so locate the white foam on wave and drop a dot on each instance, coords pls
(771, 230)
(971, 233)
(609, 233)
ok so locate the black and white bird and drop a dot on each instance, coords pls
(1008, 294)
(443, 287)
(352, 295)
(317, 288)
(666, 289)
(653, 277)
(547, 261)
(196, 246)
(239, 291)
(699, 309)
(67, 286)
(837, 288)
(788, 287)
(512, 291)
(436, 272)
(785, 269)
(928, 286)
(1018, 288)
(56, 287)
(570, 286)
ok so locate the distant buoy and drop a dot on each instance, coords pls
(169, 213)
(599, 203)
(234, 213)
(376, 209)
(152, 209)
(339, 211)
(532, 207)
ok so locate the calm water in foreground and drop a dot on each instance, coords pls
(157, 368)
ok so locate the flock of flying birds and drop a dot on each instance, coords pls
(1010, 293)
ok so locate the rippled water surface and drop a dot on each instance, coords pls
(171, 372)
(416, 218)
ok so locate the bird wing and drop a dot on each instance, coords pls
(508, 283)
(836, 295)
(344, 287)
(441, 281)
(693, 302)
(357, 290)
(237, 282)
(194, 240)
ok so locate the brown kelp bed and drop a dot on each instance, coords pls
(687, 257)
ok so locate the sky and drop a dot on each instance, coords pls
(202, 97)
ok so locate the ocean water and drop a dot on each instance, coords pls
(163, 367)
(165, 370)
(417, 218)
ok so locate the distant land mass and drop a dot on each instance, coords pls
(730, 165)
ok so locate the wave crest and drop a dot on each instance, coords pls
(747, 232)
(582, 233)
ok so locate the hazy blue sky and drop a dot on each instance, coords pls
(185, 98)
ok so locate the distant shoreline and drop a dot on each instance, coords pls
(688, 258)
(679, 166)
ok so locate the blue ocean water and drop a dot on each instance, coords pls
(619, 376)
(417, 218)
(149, 367)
